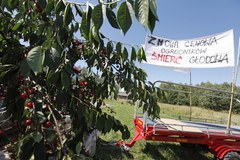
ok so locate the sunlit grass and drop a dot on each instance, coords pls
(174, 111)
(148, 150)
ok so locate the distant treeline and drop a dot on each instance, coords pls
(179, 95)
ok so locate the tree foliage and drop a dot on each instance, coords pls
(38, 51)
(214, 100)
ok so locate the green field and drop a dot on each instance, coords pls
(148, 150)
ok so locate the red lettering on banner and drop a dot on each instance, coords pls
(166, 58)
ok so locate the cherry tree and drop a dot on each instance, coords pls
(39, 47)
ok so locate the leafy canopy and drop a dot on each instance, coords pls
(38, 53)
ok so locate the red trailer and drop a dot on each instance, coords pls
(224, 144)
(223, 141)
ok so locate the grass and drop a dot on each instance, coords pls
(149, 150)
(173, 111)
(152, 150)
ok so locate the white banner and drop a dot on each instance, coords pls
(205, 52)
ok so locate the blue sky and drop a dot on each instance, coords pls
(185, 19)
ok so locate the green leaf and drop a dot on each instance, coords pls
(25, 147)
(42, 3)
(16, 26)
(109, 124)
(25, 69)
(125, 133)
(40, 151)
(85, 25)
(79, 11)
(76, 27)
(50, 6)
(59, 7)
(153, 8)
(125, 53)
(140, 55)
(92, 119)
(143, 54)
(97, 16)
(65, 79)
(52, 58)
(4, 3)
(151, 22)
(35, 59)
(53, 77)
(37, 136)
(39, 117)
(68, 15)
(119, 47)
(47, 43)
(124, 18)
(59, 21)
(133, 54)
(100, 123)
(112, 5)
(50, 135)
(112, 19)
(142, 11)
(94, 34)
(109, 48)
(79, 147)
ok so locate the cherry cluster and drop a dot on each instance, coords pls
(86, 90)
(31, 92)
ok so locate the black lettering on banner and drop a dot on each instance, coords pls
(167, 43)
(201, 42)
(184, 51)
(150, 41)
(160, 42)
(202, 59)
(218, 58)
(225, 58)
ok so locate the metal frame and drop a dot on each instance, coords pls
(218, 140)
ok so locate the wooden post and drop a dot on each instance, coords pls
(234, 80)
(231, 104)
(190, 97)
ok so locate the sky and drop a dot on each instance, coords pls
(185, 19)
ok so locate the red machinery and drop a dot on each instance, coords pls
(224, 144)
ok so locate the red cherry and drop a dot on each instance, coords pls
(81, 93)
(39, 8)
(31, 90)
(103, 53)
(82, 83)
(47, 124)
(27, 122)
(77, 42)
(85, 83)
(76, 70)
(1, 132)
(30, 105)
(23, 95)
(20, 77)
(56, 143)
